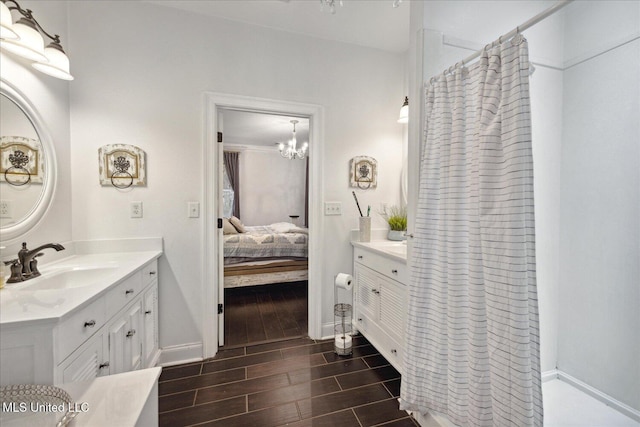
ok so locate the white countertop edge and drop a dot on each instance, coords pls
(80, 297)
(378, 246)
(113, 399)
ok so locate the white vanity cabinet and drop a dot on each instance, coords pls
(110, 334)
(380, 302)
(129, 341)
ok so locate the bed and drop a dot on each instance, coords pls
(275, 253)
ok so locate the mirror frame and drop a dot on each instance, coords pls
(36, 214)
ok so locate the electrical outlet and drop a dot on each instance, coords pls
(332, 208)
(193, 209)
(136, 209)
(6, 209)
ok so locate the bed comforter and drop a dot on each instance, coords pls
(280, 240)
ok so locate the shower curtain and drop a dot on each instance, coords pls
(472, 339)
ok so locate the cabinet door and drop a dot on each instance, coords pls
(88, 364)
(134, 338)
(150, 339)
(367, 291)
(125, 343)
(392, 308)
(117, 346)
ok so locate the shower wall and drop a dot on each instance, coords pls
(599, 318)
(586, 146)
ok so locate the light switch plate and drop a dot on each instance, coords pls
(332, 208)
(6, 209)
(136, 209)
(193, 209)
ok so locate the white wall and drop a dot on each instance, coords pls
(271, 187)
(599, 327)
(50, 97)
(141, 71)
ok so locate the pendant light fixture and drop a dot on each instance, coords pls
(51, 60)
(404, 111)
(291, 150)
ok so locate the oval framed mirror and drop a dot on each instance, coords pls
(27, 164)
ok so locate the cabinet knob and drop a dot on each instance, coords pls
(128, 291)
(151, 273)
(359, 256)
(374, 291)
(394, 271)
(147, 312)
(131, 333)
(90, 324)
(103, 365)
(394, 351)
(360, 319)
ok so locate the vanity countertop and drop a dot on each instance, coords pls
(396, 251)
(29, 302)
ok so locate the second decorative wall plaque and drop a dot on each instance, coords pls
(122, 166)
(363, 172)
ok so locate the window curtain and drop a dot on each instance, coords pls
(472, 334)
(233, 172)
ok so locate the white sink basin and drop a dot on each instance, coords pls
(69, 279)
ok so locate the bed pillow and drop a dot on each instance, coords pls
(287, 227)
(237, 224)
(227, 227)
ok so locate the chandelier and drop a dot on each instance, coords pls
(24, 38)
(332, 4)
(291, 150)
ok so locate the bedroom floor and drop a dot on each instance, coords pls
(299, 383)
(256, 314)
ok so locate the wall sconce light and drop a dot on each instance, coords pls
(404, 111)
(24, 38)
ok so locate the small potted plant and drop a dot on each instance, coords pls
(396, 217)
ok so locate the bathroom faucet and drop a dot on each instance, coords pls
(27, 262)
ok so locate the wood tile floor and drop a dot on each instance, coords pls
(265, 313)
(299, 383)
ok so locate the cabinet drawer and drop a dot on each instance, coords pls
(394, 353)
(362, 323)
(395, 270)
(75, 330)
(150, 272)
(123, 293)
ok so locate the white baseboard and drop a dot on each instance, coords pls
(327, 331)
(549, 375)
(177, 354)
(597, 394)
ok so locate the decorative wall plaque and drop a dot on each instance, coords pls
(21, 160)
(364, 172)
(122, 166)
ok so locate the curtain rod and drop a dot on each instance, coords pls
(539, 17)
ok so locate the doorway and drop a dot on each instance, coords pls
(213, 292)
(264, 191)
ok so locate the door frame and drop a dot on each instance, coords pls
(213, 103)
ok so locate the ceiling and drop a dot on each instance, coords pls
(260, 129)
(371, 23)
